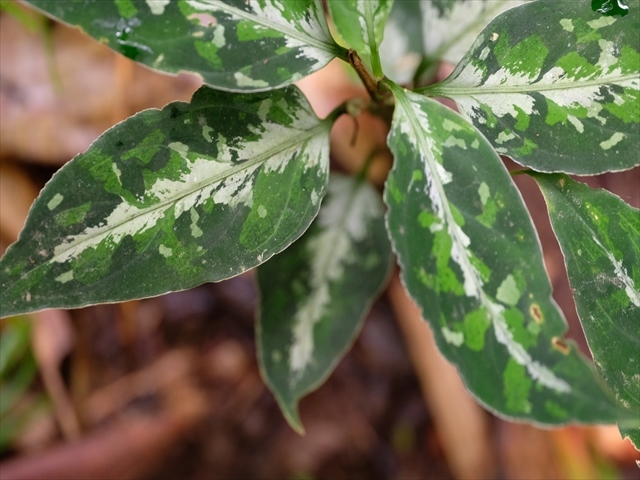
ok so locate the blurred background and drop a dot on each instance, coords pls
(169, 388)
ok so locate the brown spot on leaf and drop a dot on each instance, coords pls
(559, 345)
(536, 313)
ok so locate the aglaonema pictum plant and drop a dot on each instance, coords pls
(203, 191)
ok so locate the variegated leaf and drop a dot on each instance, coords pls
(361, 24)
(235, 45)
(436, 29)
(401, 48)
(451, 26)
(471, 260)
(555, 86)
(315, 295)
(172, 198)
(600, 238)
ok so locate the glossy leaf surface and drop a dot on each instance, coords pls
(172, 198)
(451, 26)
(436, 29)
(361, 24)
(555, 86)
(471, 260)
(315, 295)
(600, 238)
(236, 45)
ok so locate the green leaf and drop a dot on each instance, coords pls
(600, 238)
(471, 260)
(555, 86)
(235, 45)
(436, 29)
(172, 198)
(361, 24)
(451, 26)
(401, 48)
(15, 340)
(314, 296)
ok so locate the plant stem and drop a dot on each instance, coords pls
(373, 44)
(370, 84)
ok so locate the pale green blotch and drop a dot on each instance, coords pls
(157, 6)
(475, 144)
(601, 22)
(65, 277)
(244, 81)
(484, 193)
(517, 386)
(567, 24)
(505, 136)
(218, 37)
(614, 140)
(166, 252)
(262, 212)
(55, 201)
(454, 338)
(455, 142)
(195, 230)
(450, 126)
(508, 292)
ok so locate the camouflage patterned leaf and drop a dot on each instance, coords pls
(600, 239)
(314, 296)
(172, 198)
(471, 260)
(235, 45)
(555, 86)
(361, 24)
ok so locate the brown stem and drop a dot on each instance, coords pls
(370, 84)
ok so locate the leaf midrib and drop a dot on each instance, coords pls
(288, 31)
(262, 158)
(415, 125)
(453, 91)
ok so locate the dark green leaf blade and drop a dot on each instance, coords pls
(315, 295)
(555, 86)
(600, 238)
(172, 198)
(471, 260)
(234, 45)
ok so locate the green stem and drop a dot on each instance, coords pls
(362, 174)
(376, 65)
